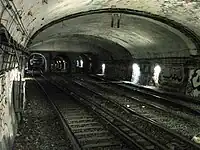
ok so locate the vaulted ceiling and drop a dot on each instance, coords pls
(142, 35)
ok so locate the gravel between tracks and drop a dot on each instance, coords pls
(179, 124)
(41, 129)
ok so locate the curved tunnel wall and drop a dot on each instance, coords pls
(36, 14)
(80, 43)
(177, 74)
(105, 51)
(11, 100)
(186, 49)
(44, 58)
(143, 38)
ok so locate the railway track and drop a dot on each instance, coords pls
(87, 132)
(165, 94)
(83, 129)
(184, 124)
(126, 93)
(187, 104)
(191, 107)
(154, 131)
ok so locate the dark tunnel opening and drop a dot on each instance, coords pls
(36, 65)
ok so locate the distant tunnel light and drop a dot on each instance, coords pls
(103, 67)
(156, 74)
(135, 73)
(81, 63)
(77, 63)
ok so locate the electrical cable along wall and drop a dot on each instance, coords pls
(8, 59)
(11, 89)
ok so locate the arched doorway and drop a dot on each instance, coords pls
(36, 64)
(85, 63)
(61, 64)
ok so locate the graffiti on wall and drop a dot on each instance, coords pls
(172, 76)
(193, 87)
(195, 80)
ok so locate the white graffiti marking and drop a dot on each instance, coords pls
(196, 79)
(173, 75)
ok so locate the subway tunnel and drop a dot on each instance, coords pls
(148, 45)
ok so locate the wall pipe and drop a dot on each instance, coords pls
(18, 16)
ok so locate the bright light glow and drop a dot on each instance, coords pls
(81, 65)
(135, 73)
(103, 67)
(128, 106)
(156, 74)
(77, 63)
(28, 79)
(31, 61)
(196, 139)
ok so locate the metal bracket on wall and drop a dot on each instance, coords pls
(115, 19)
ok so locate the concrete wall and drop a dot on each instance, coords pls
(177, 75)
(174, 77)
(193, 86)
(8, 122)
(117, 69)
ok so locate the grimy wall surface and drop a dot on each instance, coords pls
(38, 13)
(150, 33)
(177, 74)
(8, 122)
(10, 95)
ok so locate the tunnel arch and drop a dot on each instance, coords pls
(80, 64)
(44, 58)
(65, 63)
(178, 26)
(137, 43)
(89, 44)
(90, 62)
(86, 62)
(59, 63)
(30, 16)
